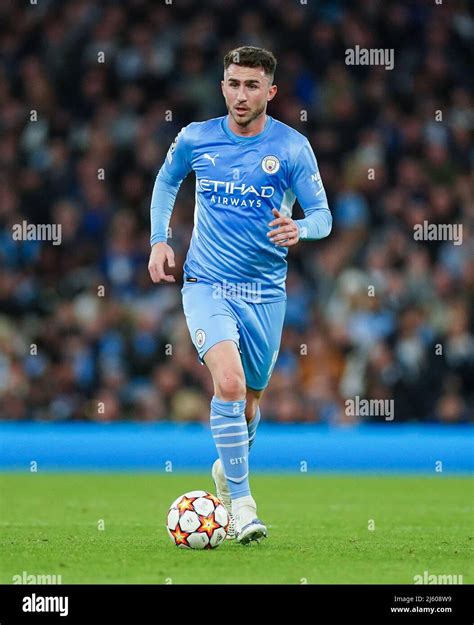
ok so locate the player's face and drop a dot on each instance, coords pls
(246, 92)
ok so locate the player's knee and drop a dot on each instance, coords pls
(231, 387)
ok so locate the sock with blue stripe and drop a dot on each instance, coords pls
(229, 430)
(252, 428)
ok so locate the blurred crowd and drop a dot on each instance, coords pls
(91, 95)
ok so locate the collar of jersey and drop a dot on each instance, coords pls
(238, 139)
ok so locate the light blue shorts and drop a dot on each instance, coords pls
(255, 328)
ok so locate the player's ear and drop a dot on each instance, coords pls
(272, 92)
(222, 87)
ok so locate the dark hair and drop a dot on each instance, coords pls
(250, 56)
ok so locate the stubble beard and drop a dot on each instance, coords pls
(247, 121)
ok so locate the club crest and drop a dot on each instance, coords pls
(200, 337)
(270, 164)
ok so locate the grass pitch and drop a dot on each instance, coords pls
(319, 530)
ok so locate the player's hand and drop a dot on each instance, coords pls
(161, 253)
(286, 233)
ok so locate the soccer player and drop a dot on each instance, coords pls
(249, 170)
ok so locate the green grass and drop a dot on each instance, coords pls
(318, 529)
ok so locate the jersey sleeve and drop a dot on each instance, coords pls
(306, 184)
(172, 173)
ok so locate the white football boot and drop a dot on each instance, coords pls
(247, 525)
(223, 493)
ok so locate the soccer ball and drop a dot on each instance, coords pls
(197, 520)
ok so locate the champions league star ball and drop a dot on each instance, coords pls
(197, 520)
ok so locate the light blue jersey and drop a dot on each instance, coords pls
(238, 182)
